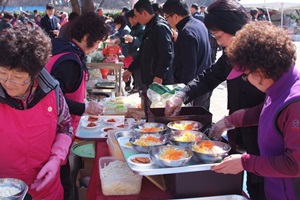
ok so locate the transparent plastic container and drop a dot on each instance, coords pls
(117, 178)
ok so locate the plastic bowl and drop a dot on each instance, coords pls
(207, 155)
(148, 144)
(145, 128)
(157, 152)
(14, 183)
(185, 125)
(184, 138)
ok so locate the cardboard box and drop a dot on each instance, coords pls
(88, 163)
(82, 182)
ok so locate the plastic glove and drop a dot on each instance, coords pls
(219, 127)
(59, 152)
(173, 106)
(94, 108)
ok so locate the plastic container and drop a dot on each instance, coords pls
(117, 178)
(113, 147)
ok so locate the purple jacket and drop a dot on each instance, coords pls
(278, 138)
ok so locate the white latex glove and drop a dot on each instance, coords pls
(94, 108)
(59, 152)
(173, 106)
(218, 128)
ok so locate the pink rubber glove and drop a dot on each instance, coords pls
(173, 106)
(59, 152)
(94, 108)
(219, 127)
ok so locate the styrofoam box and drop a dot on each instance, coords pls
(119, 179)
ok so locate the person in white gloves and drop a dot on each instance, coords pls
(36, 126)
(68, 66)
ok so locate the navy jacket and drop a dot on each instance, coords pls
(49, 25)
(192, 50)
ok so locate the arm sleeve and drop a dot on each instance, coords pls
(208, 80)
(288, 163)
(64, 124)
(245, 117)
(188, 46)
(164, 49)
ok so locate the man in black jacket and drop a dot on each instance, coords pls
(49, 22)
(156, 51)
(192, 48)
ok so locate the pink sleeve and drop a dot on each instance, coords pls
(287, 164)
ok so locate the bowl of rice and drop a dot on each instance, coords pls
(170, 156)
(184, 138)
(144, 142)
(149, 128)
(209, 151)
(185, 125)
(12, 189)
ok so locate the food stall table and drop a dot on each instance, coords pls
(148, 191)
(116, 67)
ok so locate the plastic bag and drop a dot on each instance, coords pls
(159, 94)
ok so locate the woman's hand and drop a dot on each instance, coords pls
(230, 165)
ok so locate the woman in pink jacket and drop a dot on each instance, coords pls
(36, 130)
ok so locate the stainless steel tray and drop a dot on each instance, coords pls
(97, 134)
(193, 166)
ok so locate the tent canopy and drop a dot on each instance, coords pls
(272, 4)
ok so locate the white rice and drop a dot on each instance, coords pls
(118, 179)
(8, 191)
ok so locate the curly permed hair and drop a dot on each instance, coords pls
(24, 49)
(261, 45)
(92, 25)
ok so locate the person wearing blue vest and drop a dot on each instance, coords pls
(266, 56)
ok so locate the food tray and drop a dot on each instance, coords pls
(193, 166)
(97, 134)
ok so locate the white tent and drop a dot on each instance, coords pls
(273, 4)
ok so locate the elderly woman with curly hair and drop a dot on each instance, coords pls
(36, 130)
(266, 55)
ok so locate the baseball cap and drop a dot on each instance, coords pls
(234, 74)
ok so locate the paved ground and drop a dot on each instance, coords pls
(219, 97)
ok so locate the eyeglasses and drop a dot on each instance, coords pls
(167, 16)
(13, 82)
(218, 37)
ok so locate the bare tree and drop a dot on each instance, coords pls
(4, 3)
(75, 6)
(87, 6)
(83, 6)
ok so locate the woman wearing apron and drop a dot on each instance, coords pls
(36, 130)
